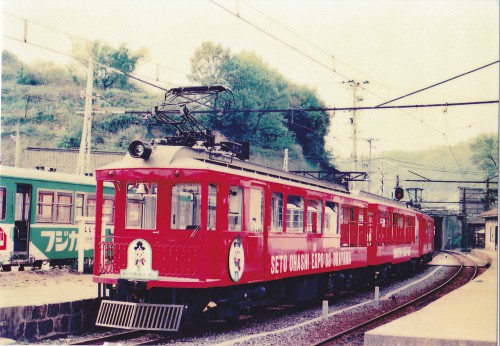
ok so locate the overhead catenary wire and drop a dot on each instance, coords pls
(143, 80)
(439, 83)
(308, 56)
(324, 109)
(73, 36)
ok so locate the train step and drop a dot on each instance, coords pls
(141, 316)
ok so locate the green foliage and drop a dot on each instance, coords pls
(207, 62)
(122, 59)
(256, 86)
(10, 65)
(485, 153)
(115, 123)
(70, 140)
(27, 77)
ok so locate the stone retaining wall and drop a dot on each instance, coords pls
(49, 320)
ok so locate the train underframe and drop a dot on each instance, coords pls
(22, 264)
(203, 305)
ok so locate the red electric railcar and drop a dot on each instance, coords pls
(199, 236)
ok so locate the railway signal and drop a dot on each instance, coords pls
(399, 193)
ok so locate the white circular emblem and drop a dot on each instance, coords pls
(236, 260)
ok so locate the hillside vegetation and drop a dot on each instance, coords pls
(44, 103)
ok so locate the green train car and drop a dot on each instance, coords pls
(41, 214)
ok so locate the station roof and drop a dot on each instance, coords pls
(493, 213)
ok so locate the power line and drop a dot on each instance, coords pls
(70, 35)
(129, 75)
(442, 82)
(429, 168)
(430, 105)
(279, 40)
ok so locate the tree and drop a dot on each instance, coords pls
(485, 153)
(121, 59)
(207, 63)
(10, 65)
(485, 156)
(256, 86)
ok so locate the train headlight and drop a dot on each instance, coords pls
(139, 149)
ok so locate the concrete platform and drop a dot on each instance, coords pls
(36, 305)
(466, 316)
(38, 288)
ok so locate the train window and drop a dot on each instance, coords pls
(79, 201)
(3, 202)
(348, 214)
(108, 209)
(314, 210)
(64, 205)
(90, 206)
(256, 210)
(186, 206)
(397, 220)
(54, 206)
(141, 206)
(85, 205)
(277, 212)
(331, 218)
(235, 208)
(294, 214)
(212, 207)
(45, 206)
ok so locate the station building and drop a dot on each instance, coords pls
(490, 230)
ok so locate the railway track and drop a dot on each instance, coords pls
(354, 335)
(129, 337)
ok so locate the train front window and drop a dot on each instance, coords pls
(141, 205)
(186, 206)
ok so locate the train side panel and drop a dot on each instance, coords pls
(39, 212)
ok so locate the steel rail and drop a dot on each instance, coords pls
(395, 310)
(113, 337)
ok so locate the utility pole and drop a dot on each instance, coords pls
(84, 165)
(285, 160)
(382, 188)
(370, 140)
(355, 85)
(17, 155)
(415, 195)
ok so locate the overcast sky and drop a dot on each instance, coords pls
(397, 46)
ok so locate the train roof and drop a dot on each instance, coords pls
(33, 174)
(186, 157)
(376, 199)
(166, 156)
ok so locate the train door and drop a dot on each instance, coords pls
(22, 219)
(254, 235)
(213, 232)
(244, 236)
